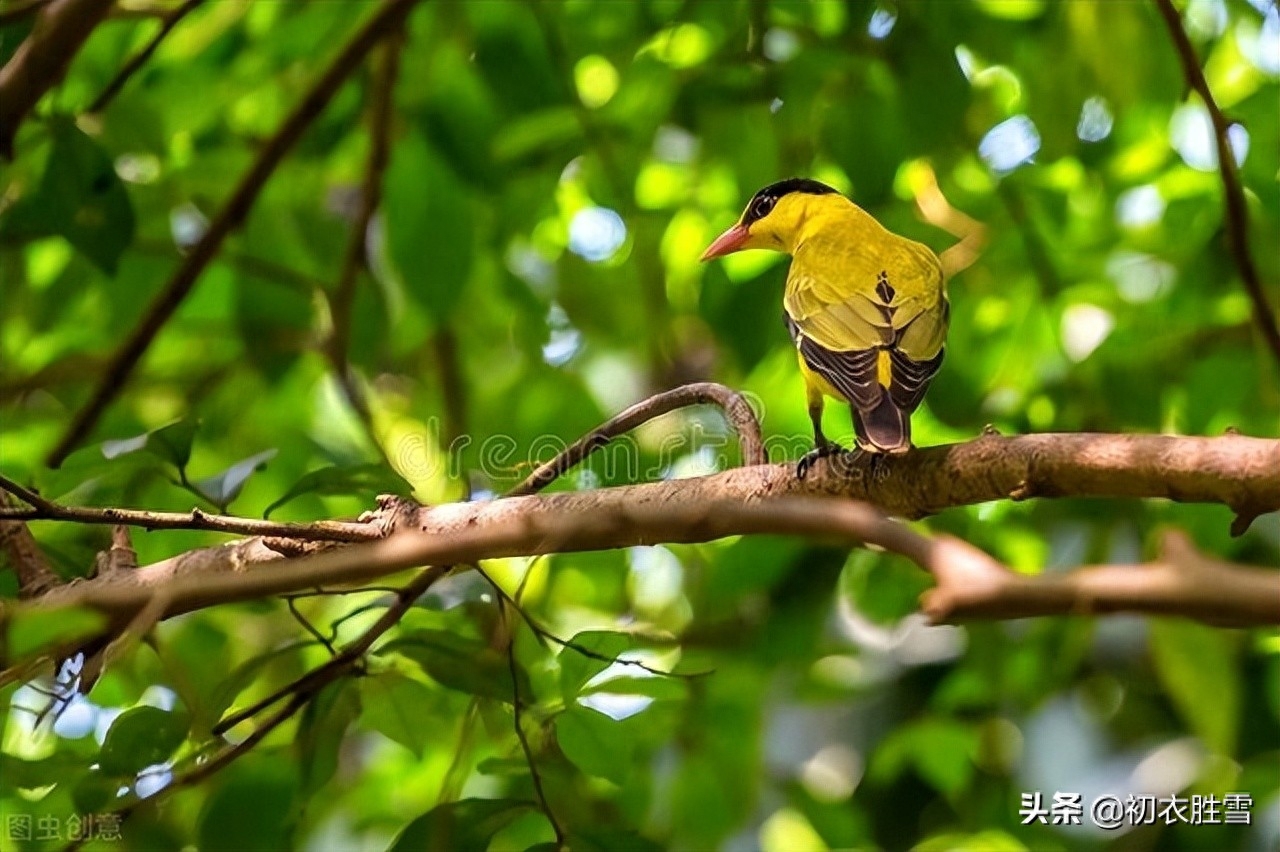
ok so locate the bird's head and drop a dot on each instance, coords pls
(774, 217)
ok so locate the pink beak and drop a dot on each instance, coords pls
(730, 241)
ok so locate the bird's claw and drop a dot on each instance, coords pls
(809, 459)
(879, 468)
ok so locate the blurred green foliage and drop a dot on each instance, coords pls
(556, 169)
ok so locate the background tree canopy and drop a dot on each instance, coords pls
(423, 262)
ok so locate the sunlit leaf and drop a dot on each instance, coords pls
(595, 743)
(226, 486)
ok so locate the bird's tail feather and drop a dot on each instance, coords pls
(884, 428)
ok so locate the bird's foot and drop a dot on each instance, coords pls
(809, 459)
(879, 467)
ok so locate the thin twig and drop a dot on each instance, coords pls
(196, 519)
(356, 258)
(168, 21)
(350, 655)
(517, 704)
(387, 18)
(544, 634)
(363, 590)
(735, 408)
(1237, 210)
(292, 603)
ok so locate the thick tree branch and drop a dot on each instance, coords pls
(731, 403)
(1232, 190)
(168, 21)
(1239, 472)
(388, 17)
(1182, 582)
(61, 28)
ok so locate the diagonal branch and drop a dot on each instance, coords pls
(355, 260)
(388, 17)
(61, 28)
(1232, 190)
(168, 21)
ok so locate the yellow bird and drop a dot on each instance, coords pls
(865, 307)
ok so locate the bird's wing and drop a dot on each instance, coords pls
(912, 287)
(836, 317)
(852, 373)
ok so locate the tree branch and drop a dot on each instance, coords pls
(168, 21)
(731, 404)
(1182, 581)
(356, 256)
(388, 17)
(35, 574)
(196, 519)
(1237, 211)
(735, 503)
(61, 28)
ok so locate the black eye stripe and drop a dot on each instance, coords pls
(763, 202)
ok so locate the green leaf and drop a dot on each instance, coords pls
(595, 743)
(576, 668)
(79, 197)
(246, 673)
(940, 750)
(321, 731)
(1197, 665)
(394, 706)
(465, 826)
(226, 486)
(462, 663)
(653, 686)
(20, 773)
(141, 737)
(429, 228)
(171, 442)
(252, 809)
(95, 792)
(31, 631)
(351, 479)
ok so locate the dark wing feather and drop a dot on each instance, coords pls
(852, 373)
(910, 379)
